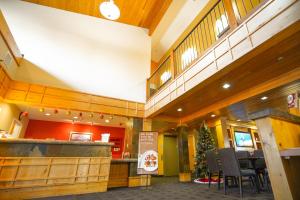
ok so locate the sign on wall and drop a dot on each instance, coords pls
(78, 136)
(147, 155)
(292, 100)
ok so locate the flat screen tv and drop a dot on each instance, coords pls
(243, 139)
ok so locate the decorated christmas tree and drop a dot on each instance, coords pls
(205, 142)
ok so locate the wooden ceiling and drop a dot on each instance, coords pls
(277, 99)
(142, 13)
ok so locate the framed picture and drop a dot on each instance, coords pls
(78, 136)
(15, 128)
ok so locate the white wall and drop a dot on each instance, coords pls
(79, 52)
(8, 113)
(178, 17)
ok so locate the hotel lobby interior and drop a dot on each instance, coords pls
(143, 99)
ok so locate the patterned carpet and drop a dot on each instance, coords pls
(169, 189)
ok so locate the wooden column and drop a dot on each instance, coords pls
(279, 132)
(160, 154)
(147, 124)
(192, 149)
(221, 131)
(230, 13)
(128, 135)
(184, 164)
(173, 69)
(275, 167)
(148, 88)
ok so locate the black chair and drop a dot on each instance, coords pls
(258, 153)
(260, 167)
(213, 166)
(244, 164)
(231, 168)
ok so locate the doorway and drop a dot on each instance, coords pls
(170, 156)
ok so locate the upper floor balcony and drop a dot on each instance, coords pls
(228, 31)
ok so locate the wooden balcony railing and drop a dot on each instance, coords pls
(160, 77)
(223, 16)
(204, 34)
(242, 8)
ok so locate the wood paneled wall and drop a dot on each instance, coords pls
(4, 82)
(9, 40)
(38, 95)
(287, 134)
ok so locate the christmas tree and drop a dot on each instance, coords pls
(205, 142)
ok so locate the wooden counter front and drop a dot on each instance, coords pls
(120, 171)
(123, 173)
(41, 168)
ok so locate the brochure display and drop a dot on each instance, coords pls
(147, 155)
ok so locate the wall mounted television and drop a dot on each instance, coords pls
(243, 139)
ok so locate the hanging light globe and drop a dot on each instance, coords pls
(109, 10)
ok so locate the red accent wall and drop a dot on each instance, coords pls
(38, 129)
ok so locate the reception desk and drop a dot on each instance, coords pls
(40, 168)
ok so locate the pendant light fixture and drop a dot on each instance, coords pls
(109, 10)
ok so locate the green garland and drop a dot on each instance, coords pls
(205, 142)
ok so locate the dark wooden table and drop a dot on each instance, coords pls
(252, 159)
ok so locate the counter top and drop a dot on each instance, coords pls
(290, 152)
(124, 160)
(39, 141)
(53, 148)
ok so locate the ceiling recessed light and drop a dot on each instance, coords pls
(106, 121)
(75, 117)
(264, 98)
(213, 115)
(280, 58)
(179, 109)
(226, 85)
(47, 114)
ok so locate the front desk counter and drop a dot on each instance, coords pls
(40, 168)
(123, 173)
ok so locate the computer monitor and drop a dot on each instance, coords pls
(243, 139)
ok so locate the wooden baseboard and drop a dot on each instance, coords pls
(137, 181)
(59, 190)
